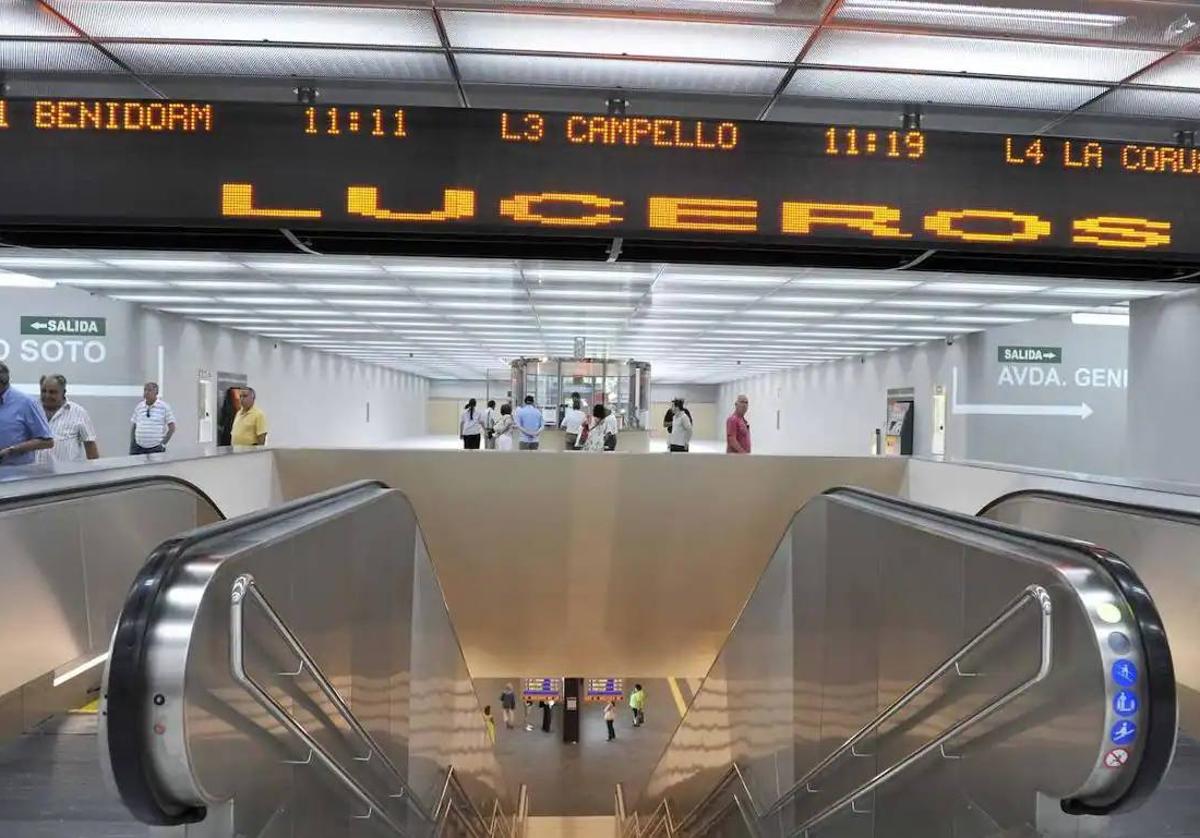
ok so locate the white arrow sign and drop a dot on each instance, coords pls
(1083, 411)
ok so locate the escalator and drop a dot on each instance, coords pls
(295, 672)
(904, 671)
(898, 671)
(70, 550)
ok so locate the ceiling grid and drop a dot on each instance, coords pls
(1058, 60)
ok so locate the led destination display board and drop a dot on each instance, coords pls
(213, 165)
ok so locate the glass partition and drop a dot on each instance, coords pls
(621, 386)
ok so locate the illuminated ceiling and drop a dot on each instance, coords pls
(1124, 68)
(459, 319)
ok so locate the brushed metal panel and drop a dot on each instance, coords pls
(43, 602)
(613, 537)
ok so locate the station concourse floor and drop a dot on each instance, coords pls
(578, 780)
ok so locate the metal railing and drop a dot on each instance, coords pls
(244, 590)
(454, 802)
(741, 797)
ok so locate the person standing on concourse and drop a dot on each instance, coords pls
(23, 426)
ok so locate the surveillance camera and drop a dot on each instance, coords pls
(862, 359)
(949, 341)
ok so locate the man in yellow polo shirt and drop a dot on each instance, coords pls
(250, 424)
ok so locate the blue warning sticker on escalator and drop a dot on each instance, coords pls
(1125, 703)
(1124, 672)
(1123, 732)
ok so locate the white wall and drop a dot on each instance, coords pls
(1021, 411)
(1164, 388)
(309, 397)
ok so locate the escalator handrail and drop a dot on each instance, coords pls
(1162, 709)
(127, 714)
(244, 589)
(84, 490)
(1180, 516)
(1033, 594)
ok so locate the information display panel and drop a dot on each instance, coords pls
(605, 689)
(542, 689)
(214, 165)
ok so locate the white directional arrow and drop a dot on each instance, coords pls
(1083, 411)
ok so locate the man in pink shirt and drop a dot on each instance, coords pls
(737, 429)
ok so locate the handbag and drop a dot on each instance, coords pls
(583, 435)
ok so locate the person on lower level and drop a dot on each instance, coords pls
(679, 438)
(489, 724)
(573, 421)
(610, 719)
(737, 429)
(23, 426)
(490, 415)
(508, 705)
(530, 424)
(153, 423)
(505, 428)
(470, 426)
(637, 703)
(250, 423)
(74, 433)
(601, 432)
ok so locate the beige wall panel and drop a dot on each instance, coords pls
(610, 563)
(442, 416)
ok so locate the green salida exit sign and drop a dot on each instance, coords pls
(61, 326)
(1030, 354)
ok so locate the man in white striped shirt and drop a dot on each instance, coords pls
(153, 423)
(74, 434)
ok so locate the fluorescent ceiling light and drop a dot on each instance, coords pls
(383, 287)
(587, 273)
(314, 267)
(196, 310)
(483, 305)
(451, 270)
(1032, 308)
(919, 302)
(161, 298)
(469, 290)
(938, 13)
(887, 315)
(307, 323)
(226, 285)
(862, 283)
(790, 313)
(585, 307)
(271, 301)
(266, 321)
(403, 315)
(615, 293)
(300, 312)
(24, 281)
(45, 262)
(723, 279)
(174, 264)
(1115, 292)
(61, 678)
(114, 283)
(980, 288)
(981, 319)
(672, 296)
(353, 302)
(355, 329)
(1093, 318)
(818, 301)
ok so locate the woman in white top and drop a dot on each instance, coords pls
(680, 437)
(603, 424)
(504, 429)
(572, 423)
(470, 426)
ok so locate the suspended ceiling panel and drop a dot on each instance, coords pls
(21, 19)
(793, 10)
(1145, 102)
(459, 318)
(1166, 25)
(106, 19)
(1177, 71)
(304, 62)
(53, 57)
(609, 73)
(616, 36)
(942, 90)
(980, 56)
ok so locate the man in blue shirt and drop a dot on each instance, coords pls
(23, 426)
(531, 423)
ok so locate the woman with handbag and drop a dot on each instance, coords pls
(599, 434)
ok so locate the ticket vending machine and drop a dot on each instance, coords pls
(899, 425)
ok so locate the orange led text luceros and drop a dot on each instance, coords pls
(109, 115)
(710, 214)
(3, 114)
